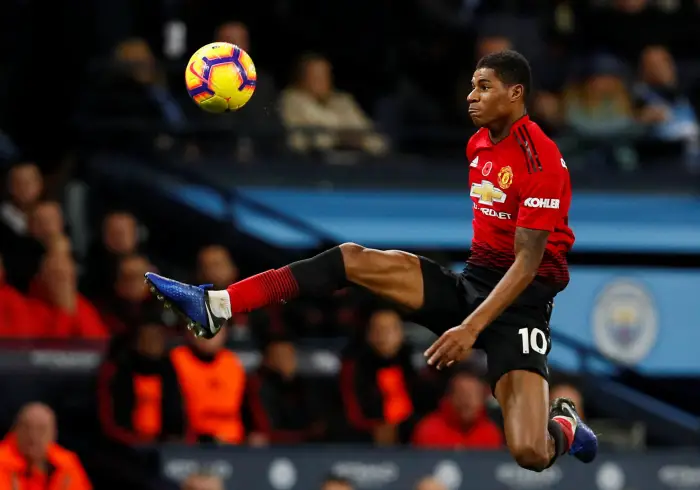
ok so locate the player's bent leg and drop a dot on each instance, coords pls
(537, 436)
(524, 400)
(393, 274)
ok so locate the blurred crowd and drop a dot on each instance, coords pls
(609, 104)
(30, 458)
(379, 78)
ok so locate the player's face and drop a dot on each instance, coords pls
(490, 99)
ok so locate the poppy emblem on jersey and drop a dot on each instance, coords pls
(486, 169)
(505, 177)
(487, 193)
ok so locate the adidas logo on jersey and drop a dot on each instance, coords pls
(538, 202)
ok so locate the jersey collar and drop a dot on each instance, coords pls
(519, 123)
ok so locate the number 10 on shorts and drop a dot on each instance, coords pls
(533, 339)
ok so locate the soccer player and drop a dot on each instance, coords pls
(501, 302)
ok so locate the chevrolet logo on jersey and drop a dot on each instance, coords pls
(487, 193)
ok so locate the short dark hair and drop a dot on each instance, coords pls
(511, 67)
(466, 369)
(303, 61)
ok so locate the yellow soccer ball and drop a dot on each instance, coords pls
(220, 77)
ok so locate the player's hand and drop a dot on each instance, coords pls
(452, 346)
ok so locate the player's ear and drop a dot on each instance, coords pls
(517, 92)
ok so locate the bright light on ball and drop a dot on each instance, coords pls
(220, 77)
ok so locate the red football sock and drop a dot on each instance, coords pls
(567, 428)
(266, 288)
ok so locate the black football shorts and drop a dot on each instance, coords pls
(518, 340)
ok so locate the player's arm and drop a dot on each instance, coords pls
(454, 344)
(529, 248)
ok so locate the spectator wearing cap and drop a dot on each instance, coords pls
(600, 106)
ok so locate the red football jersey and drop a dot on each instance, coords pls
(519, 181)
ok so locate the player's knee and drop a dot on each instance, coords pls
(352, 256)
(530, 456)
(359, 259)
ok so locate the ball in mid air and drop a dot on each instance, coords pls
(220, 77)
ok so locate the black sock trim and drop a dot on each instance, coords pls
(322, 274)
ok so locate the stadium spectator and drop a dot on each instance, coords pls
(59, 244)
(547, 110)
(666, 107)
(139, 398)
(430, 483)
(321, 118)
(377, 380)
(46, 222)
(492, 44)
(145, 83)
(215, 266)
(130, 304)
(56, 286)
(136, 90)
(258, 124)
(23, 317)
(601, 105)
(212, 380)
(24, 187)
(599, 110)
(119, 237)
(30, 458)
(568, 390)
(279, 400)
(461, 421)
(17, 318)
(334, 482)
(202, 481)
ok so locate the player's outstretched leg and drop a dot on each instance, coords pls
(392, 274)
(537, 435)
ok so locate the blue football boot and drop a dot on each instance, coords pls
(189, 302)
(585, 444)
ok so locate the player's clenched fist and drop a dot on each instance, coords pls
(452, 346)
